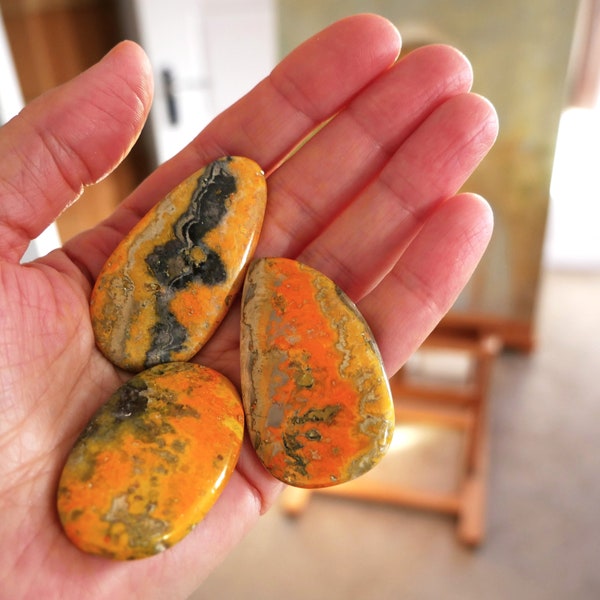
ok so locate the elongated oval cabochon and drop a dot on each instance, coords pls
(151, 462)
(169, 283)
(317, 400)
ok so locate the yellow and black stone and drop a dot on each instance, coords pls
(169, 283)
(151, 462)
(318, 405)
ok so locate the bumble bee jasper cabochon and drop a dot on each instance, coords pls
(318, 405)
(151, 462)
(169, 283)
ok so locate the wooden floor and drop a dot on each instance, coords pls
(49, 48)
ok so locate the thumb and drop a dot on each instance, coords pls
(67, 138)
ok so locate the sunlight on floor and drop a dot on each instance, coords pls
(407, 436)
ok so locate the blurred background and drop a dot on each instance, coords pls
(492, 487)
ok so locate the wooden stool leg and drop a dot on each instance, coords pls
(471, 525)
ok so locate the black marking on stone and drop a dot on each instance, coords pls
(89, 432)
(313, 435)
(168, 334)
(128, 401)
(131, 401)
(211, 270)
(292, 445)
(292, 448)
(318, 415)
(186, 258)
(178, 410)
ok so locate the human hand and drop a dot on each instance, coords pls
(369, 200)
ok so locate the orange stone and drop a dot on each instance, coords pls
(316, 397)
(169, 283)
(151, 462)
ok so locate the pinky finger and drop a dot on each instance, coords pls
(409, 302)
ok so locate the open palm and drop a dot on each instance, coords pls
(369, 200)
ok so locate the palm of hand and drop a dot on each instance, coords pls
(365, 201)
(52, 379)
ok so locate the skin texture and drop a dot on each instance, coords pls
(370, 201)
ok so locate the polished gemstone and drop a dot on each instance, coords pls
(168, 285)
(317, 400)
(151, 462)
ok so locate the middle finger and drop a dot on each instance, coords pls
(315, 184)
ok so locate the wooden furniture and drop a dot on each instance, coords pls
(436, 401)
